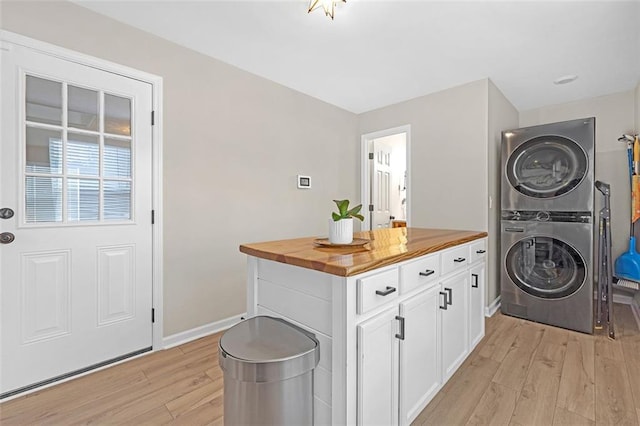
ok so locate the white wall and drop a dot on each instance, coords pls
(233, 145)
(448, 155)
(502, 116)
(614, 116)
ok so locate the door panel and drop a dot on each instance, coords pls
(381, 215)
(455, 323)
(420, 367)
(76, 167)
(378, 370)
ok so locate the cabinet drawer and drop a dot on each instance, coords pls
(376, 290)
(477, 250)
(454, 259)
(419, 272)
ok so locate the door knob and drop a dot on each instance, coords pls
(6, 213)
(7, 238)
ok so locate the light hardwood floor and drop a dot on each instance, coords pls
(521, 373)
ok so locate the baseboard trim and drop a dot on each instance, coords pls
(622, 299)
(202, 331)
(492, 308)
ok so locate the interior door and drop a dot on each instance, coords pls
(76, 171)
(381, 188)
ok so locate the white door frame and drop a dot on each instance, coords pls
(156, 83)
(365, 180)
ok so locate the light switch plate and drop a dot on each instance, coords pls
(304, 182)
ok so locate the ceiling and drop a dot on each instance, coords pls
(376, 52)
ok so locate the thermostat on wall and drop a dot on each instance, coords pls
(304, 182)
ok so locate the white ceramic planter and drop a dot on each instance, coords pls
(341, 232)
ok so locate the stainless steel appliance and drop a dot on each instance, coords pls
(547, 273)
(549, 167)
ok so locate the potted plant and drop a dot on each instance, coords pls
(341, 223)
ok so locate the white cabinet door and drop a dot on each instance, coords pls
(476, 308)
(378, 370)
(420, 369)
(455, 323)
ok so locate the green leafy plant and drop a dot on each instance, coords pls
(344, 212)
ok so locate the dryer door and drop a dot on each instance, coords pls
(546, 167)
(545, 267)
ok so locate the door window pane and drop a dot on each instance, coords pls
(82, 108)
(43, 151)
(83, 155)
(117, 115)
(43, 199)
(44, 100)
(117, 200)
(117, 158)
(83, 197)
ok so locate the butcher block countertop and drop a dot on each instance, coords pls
(385, 247)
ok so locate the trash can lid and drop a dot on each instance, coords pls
(266, 339)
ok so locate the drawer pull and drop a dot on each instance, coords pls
(427, 272)
(401, 334)
(444, 307)
(460, 259)
(449, 299)
(481, 251)
(475, 279)
(386, 292)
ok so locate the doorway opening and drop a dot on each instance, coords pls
(385, 186)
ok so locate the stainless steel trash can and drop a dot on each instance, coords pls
(268, 372)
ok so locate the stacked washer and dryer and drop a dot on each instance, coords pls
(547, 221)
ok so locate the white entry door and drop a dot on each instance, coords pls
(381, 214)
(76, 169)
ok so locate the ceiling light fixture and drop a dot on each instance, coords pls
(565, 79)
(329, 6)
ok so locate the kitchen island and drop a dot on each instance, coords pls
(395, 317)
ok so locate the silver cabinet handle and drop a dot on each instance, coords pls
(386, 292)
(444, 307)
(401, 334)
(7, 238)
(475, 279)
(449, 299)
(427, 272)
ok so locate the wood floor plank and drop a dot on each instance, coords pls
(597, 382)
(515, 366)
(45, 405)
(456, 407)
(499, 343)
(200, 396)
(206, 414)
(631, 352)
(158, 416)
(577, 384)
(614, 404)
(538, 397)
(564, 417)
(495, 407)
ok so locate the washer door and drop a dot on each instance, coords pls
(545, 267)
(546, 167)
